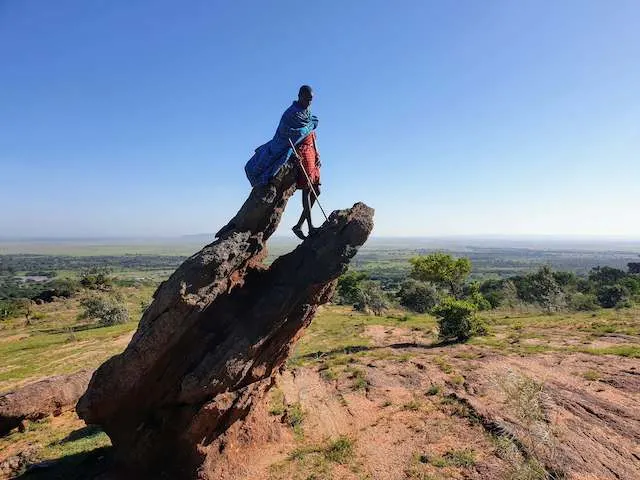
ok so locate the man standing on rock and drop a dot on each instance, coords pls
(298, 125)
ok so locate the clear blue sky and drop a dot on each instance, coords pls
(136, 117)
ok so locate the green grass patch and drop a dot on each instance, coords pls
(453, 406)
(592, 375)
(454, 458)
(294, 416)
(443, 364)
(433, 390)
(631, 351)
(337, 332)
(339, 450)
(413, 406)
(359, 378)
(276, 402)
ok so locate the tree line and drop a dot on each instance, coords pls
(439, 284)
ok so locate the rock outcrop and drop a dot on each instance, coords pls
(50, 396)
(217, 331)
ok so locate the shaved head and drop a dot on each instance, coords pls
(305, 96)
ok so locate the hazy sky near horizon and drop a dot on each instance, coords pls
(121, 117)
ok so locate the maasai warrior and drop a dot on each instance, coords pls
(298, 125)
(310, 161)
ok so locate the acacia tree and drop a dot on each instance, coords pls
(441, 269)
(546, 290)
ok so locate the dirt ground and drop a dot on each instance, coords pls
(381, 399)
(411, 410)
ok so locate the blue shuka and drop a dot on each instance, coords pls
(296, 123)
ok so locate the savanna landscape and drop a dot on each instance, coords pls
(319, 241)
(428, 363)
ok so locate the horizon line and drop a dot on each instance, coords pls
(183, 237)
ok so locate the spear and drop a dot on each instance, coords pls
(313, 190)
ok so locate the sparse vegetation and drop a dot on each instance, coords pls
(339, 450)
(276, 403)
(592, 375)
(294, 415)
(346, 346)
(433, 390)
(443, 364)
(108, 310)
(413, 405)
(316, 460)
(525, 398)
(359, 378)
(454, 458)
(457, 320)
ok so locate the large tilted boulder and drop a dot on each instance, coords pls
(217, 330)
(50, 396)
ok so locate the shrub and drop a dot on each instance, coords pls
(493, 291)
(509, 294)
(632, 284)
(583, 302)
(339, 450)
(418, 296)
(474, 295)
(96, 279)
(372, 297)
(547, 291)
(348, 290)
(457, 320)
(108, 310)
(62, 287)
(610, 296)
(10, 308)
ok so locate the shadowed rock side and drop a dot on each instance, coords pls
(37, 400)
(206, 349)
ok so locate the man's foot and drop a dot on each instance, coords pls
(298, 232)
(313, 230)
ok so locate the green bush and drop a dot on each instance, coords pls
(493, 291)
(371, 297)
(348, 291)
(108, 310)
(606, 275)
(418, 296)
(610, 296)
(583, 302)
(457, 320)
(62, 287)
(473, 294)
(96, 278)
(11, 308)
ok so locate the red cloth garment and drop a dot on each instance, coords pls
(309, 154)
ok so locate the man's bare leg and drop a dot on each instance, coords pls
(312, 201)
(297, 228)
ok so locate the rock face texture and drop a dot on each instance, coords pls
(50, 396)
(217, 331)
